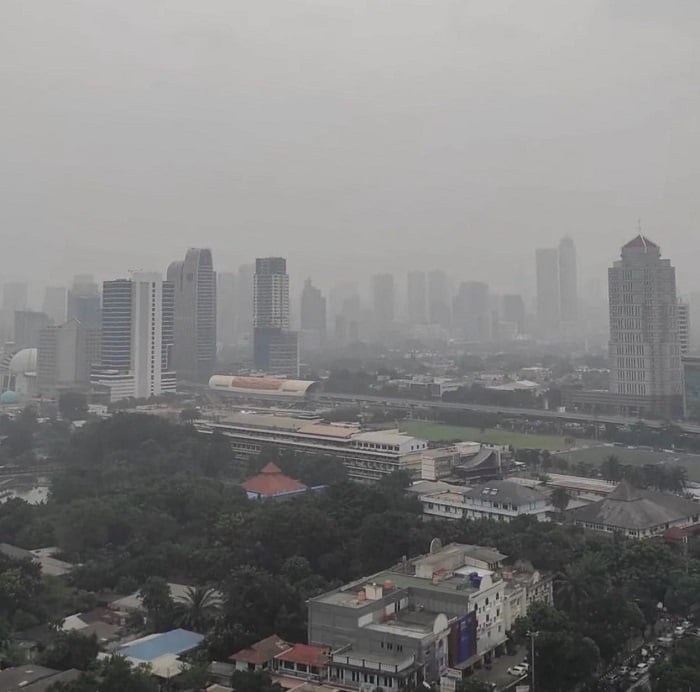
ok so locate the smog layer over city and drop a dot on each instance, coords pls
(349, 346)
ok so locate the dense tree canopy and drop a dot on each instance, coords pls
(138, 502)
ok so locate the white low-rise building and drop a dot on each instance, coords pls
(499, 500)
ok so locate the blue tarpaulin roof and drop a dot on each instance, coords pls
(150, 648)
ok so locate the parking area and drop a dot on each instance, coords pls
(498, 674)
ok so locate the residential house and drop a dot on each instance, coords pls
(637, 513)
(498, 500)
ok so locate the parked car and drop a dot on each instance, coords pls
(518, 670)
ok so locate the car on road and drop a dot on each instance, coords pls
(518, 670)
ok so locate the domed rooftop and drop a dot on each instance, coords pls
(9, 397)
(23, 361)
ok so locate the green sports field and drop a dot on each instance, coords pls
(438, 432)
(637, 457)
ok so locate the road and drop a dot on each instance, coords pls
(564, 416)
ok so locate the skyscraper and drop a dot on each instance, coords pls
(84, 301)
(28, 325)
(84, 304)
(548, 285)
(438, 299)
(313, 309)
(226, 308)
(62, 359)
(275, 348)
(645, 358)
(471, 311)
(568, 281)
(55, 299)
(417, 297)
(383, 298)
(137, 337)
(194, 283)
(514, 311)
(14, 297)
(684, 327)
(244, 301)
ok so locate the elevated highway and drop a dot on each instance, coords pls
(508, 411)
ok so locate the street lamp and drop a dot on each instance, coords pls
(532, 635)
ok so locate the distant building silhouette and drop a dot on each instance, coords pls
(55, 303)
(417, 297)
(313, 316)
(471, 312)
(548, 286)
(275, 347)
(62, 359)
(383, 299)
(568, 281)
(194, 285)
(438, 299)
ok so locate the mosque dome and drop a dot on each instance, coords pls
(23, 361)
(9, 397)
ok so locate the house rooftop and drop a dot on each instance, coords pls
(305, 654)
(271, 481)
(262, 651)
(628, 507)
(155, 646)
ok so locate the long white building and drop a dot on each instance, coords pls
(137, 337)
(368, 455)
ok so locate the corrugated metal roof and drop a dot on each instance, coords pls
(156, 645)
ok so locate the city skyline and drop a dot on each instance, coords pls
(458, 137)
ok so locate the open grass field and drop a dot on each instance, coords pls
(638, 457)
(438, 432)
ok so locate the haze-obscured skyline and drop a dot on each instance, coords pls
(351, 137)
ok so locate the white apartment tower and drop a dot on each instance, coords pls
(645, 351)
(137, 337)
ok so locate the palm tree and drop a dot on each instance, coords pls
(581, 581)
(198, 608)
(560, 500)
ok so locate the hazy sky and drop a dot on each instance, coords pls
(349, 135)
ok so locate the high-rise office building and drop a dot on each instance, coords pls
(513, 311)
(383, 298)
(313, 308)
(62, 358)
(55, 300)
(568, 281)
(244, 302)
(275, 347)
(417, 297)
(471, 311)
(84, 301)
(226, 308)
(137, 337)
(14, 297)
(194, 283)
(694, 318)
(645, 352)
(684, 327)
(438, 298)
(548, 287)
(28, 325)
(84, 304)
